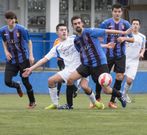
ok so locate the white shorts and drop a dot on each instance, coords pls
(131, 69)
(65, 73)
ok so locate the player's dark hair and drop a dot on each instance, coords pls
(74, 18)
(117, 6)
(16, 20)
(10, 15)
(135, 19)
(59, 25)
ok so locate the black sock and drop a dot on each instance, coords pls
(116, 93)
(117, 87)
(69, 95)
(59, 88)
(31, 97)
(98, 91)
(117, 84)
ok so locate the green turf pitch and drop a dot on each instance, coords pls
(15, 119)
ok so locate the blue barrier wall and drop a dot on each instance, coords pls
(39, 82)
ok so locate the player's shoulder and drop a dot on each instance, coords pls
(56, 42)
(71, 38)
(107, 20)
(125, 21)
(3, 28)
(21, 27)
(141, 35)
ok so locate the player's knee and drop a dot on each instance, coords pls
(84, 86)
(69, 81)
(51, 82)
(129, 81)
(119, 76)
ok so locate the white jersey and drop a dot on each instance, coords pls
(67, 51)
(132, 54)
(133, 49)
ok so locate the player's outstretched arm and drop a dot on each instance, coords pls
(109, 45)
(28, 71)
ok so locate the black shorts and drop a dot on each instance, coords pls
(95, 72)
(118, 63)
(15, 68)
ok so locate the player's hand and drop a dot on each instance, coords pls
(128, 31)
(8, 56)
(31, 59)
(141, 56)
(110, 45)
(27, 72)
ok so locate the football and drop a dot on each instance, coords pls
(105, 79)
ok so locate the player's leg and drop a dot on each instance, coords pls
(88, 91)
(119, 69)
(27, 84)
(61, 66)
(70, 87)
(11, 70)
(52, 84)
(130, 73)
(98, 91)
(127, 87)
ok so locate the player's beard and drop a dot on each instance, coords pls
(79, 30)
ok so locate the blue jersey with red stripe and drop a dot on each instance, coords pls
(17, 42)
(119, 50)
(91, 52)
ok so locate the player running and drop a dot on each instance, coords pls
(134, 51)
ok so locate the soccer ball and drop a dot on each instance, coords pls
(105, 79)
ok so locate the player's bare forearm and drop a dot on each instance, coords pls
(39, 63)
(115, 32)
(30, 46)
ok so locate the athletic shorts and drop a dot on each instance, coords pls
(15, 68)
(95, 72)
(65, 73)
(131, 69)
(118, 63)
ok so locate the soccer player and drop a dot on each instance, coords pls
(15, 40)
(134, 51)
(116, 56)
(61, 65)
(92, 56)
(67, 51)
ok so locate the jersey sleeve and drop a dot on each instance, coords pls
(25, 33)
(103, 25)
(52, 53)
(3, 37)
(56, 42)
(144, 42)
(97, 32)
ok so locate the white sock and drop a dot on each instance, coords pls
(92, 98)
(53, 95)
(126, 88)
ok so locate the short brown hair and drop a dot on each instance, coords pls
(10, 15)
(117, 6)
(74, 18)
